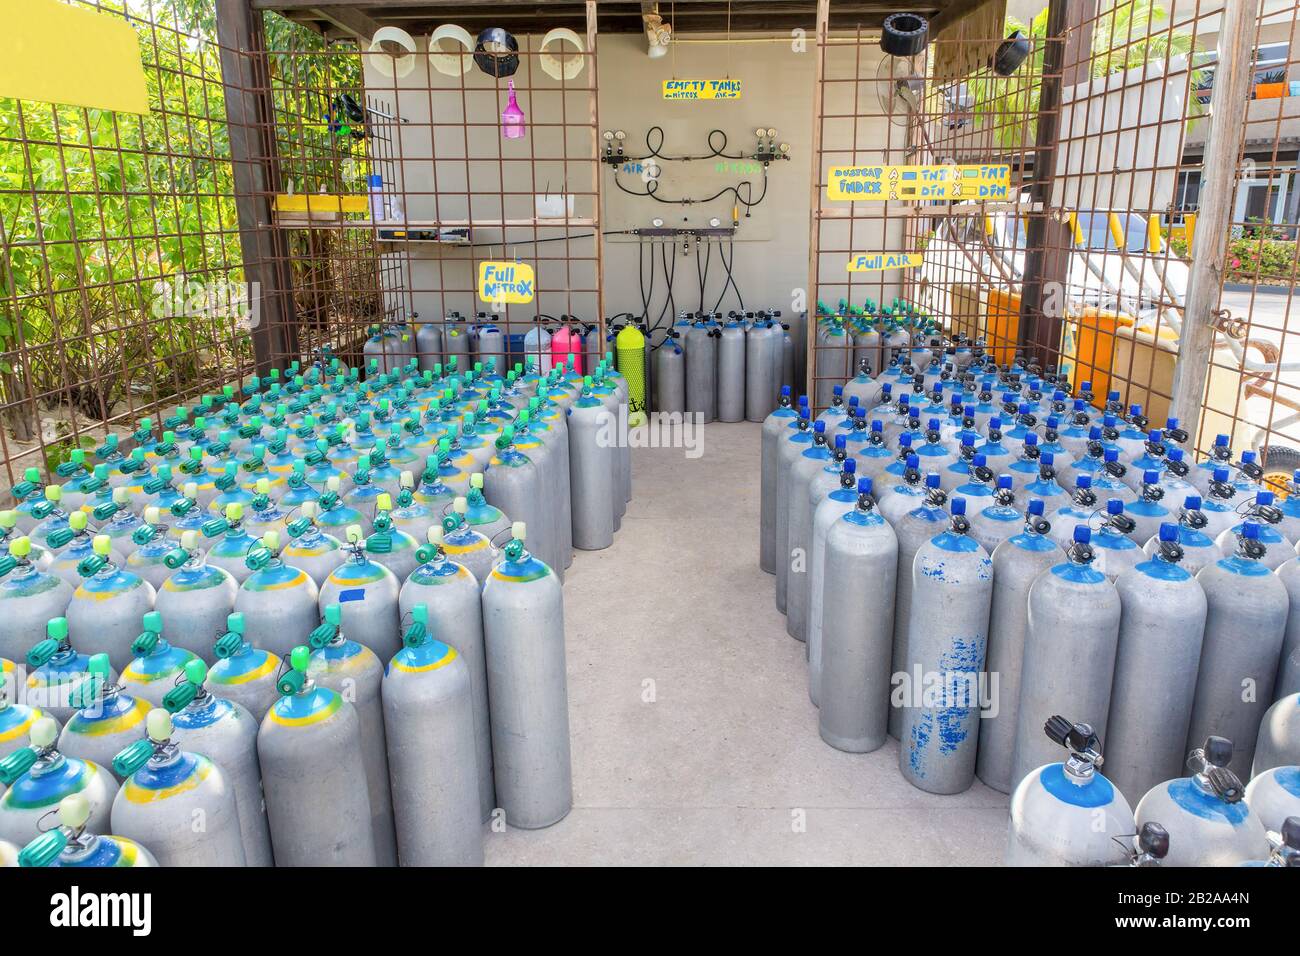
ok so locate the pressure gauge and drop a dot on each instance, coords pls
(715, 222)
(607, 136)
(785, 147)
(657, 223)
(759, 132)
(620, 135)
(771, 134)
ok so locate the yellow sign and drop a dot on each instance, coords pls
(875, 261)
(512, 283)
(53, 53)
(919, 183)
(701, 89)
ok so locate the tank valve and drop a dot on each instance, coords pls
(1082, 742)
(1149, 845)
(1248, 543)
(1285, 845)
(1034, 520)
(1210, 764)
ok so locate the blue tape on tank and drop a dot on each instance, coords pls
(352, 594)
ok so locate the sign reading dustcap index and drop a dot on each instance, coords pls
(919, 183)
(512, 283)
(727, 89)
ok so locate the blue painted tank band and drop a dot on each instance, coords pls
(1190, 797)
(1163, 571)
(1288, 778)
(958, 543)
(1246, 567)
(1078, 573)
(1033, 542)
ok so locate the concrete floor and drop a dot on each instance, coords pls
(694, 741)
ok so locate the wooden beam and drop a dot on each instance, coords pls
(349, 20)
(814, 220)
(954, 11)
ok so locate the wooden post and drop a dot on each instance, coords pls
(815, 208)
(1233, 79)
(249, 115)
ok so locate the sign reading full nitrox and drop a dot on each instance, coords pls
(509, 282)
(702, 89)
(919, 183)
(876, 261)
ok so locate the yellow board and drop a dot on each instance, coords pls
(510, 282)
(320, 202)
(918, 183)
(702, 89)
(53, 53)
(876, 261)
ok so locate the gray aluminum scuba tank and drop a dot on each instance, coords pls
(762, 367)
(1017, 563)
(1069, 657)
(39, 776)
(591, 430)
(389, 545)
(835, 353)
(428, 344)
(1068, 814)
(1277, 549)
(874, 457)
(152, 547)
(40, 556)
(73, 844)
(233, 542)
(29, 598)
(465, 545)
(799, 521)
(789, 447)
(1284, 845)
(278, 600)
(548, 419)
(731, 372)
(244, 674)
(523, 631)
(1162, 628)
(310, 548)
(367, 593)
(451, 597)
(310, 750)
(952, 587)
(105, 610)
(857, 628)
(105, 717)
(1274, 795)
(863, 386)
(1288, 668)
(1244, 631)
(1199, 549)
(998, 521)
(16, 718)
(487, 519)
(411, 516)
(1115, 551)
(195, 600)
(1079, 510)
(1278, 744)
(901, 496)
(55, 672)
(1149, 512)
(226, 733)
(165, 791)
(670, 376)
(429, 715)
(1208, 822)
(1218, 507)
(775, 427)
(830, 506)
(353, 670)
(514, 484)
(791, 351)
(702, 371)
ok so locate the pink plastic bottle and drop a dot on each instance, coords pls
(560, 346)
(575, 350)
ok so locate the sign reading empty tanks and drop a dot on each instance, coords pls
(512, 283)
(919, 183)
(702, 89)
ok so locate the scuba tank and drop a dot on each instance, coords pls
(263, 514)
(702, 371)
(51, 517)
(1197, 547)
(80, 483)
(1220, 456)
(513, 483)
(28, 493)
(1017, 563)
(901, 496)
(353, 670)
(39, 556)
(16, 718)
(857, 627)
(670, 376)
(390, 546)
(1162, 627)
(106, 718)
(195, 599)
(1217, 505)
(244, 674)
(39, 776)
(1069, 654)
(312, 758)
(311, 549)
(762, 370)
(55, 672)
(1114, 549)
(998, 521)
(156, 665)
(429, 715)
(411, 516)
(731, 372)
(799, 521)
(1289, 526)
(166, 790)
(1277, 549)
(153, 544)
(952, 586)
(1148, 512)
(1208, 822)
(278, 601)
(233, 545)
(106, 609)
(71, 844)
(775, 427)
(362, 496)
(451, 597)
(1244, 630)
(829, 508)
(465, 545)
(74, 544)
(592, 469)
(488, 520)
(523, 633)
(29, 598)
(1274, 795)
(1068, 814)
(366, 591)
(789, 446)
(1288, 668)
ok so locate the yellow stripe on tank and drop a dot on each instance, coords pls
(425, 668)
(138, 794)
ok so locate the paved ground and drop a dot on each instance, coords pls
(724, 762)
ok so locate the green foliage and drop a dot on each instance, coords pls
(1255, 258)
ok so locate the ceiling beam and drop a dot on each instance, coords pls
(347, 20)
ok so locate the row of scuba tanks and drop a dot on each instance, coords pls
(239, 568)
(727, 370)
(955, 590)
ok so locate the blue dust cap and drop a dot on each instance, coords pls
(1150, 477)
(850, 465)
(1250, 530)
(958, 506)
(864, 486)
(820, 426)
(932, 480)
(1220, 474)
(913, 461)
(1192, 502)
(1082, 534)
(1114, 507)
(1004, 481)
(1035, 506)
(1168, 531)
(1047, 458)
(839, 441)
(1083, 481)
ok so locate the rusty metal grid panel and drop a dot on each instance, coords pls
(453, 192)
(123, 288)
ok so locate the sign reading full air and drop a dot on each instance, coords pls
(509, 282)
(876, 261)
(701, 89)
(919, 183)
